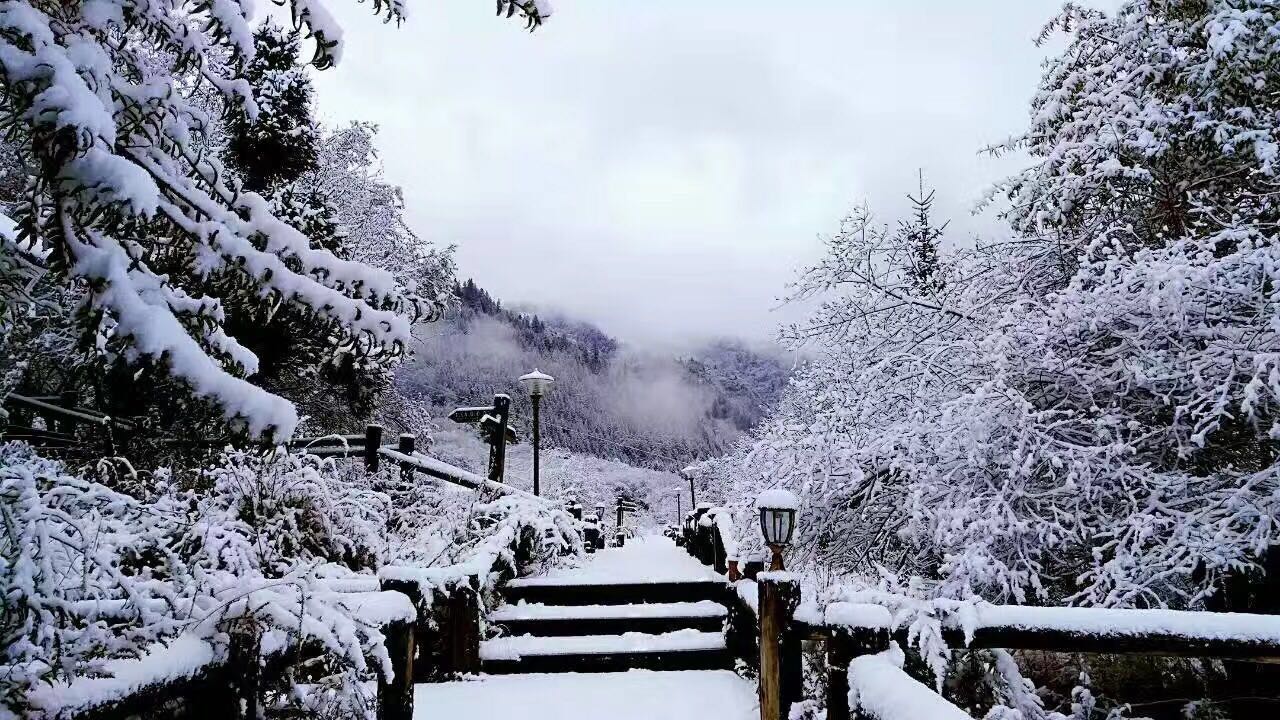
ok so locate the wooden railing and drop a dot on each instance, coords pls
(183, 677)
(430, 619)
(765, 630)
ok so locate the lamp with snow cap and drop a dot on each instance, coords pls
(777, 509)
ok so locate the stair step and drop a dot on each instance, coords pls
(543, 591)
(681, 650)
(652, 618)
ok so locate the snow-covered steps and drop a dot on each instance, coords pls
(550, 591)
(646, 605)
(687, 649)
(553, 620)
(709, 695)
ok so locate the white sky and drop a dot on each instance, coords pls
(663, 167)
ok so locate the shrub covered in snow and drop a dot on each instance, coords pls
(91, 574)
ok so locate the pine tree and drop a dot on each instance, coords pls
(105, 102)
(920, 238)
(298, 357)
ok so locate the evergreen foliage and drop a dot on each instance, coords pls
(920, 236)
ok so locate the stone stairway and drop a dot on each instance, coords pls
(607, 627)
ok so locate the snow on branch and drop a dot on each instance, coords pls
(105, 99)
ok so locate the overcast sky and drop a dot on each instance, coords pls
(663, 167)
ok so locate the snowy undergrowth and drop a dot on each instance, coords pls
(100, 564)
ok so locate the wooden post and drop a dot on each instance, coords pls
(407, 441)
(244, 668)
(778, 600)
(718, 555)
(844, 645)
(372, 443)
(425, 637)
(464, 629)
(65, 423)
(502, 406)
(395, 693)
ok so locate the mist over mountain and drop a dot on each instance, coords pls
(650, 408)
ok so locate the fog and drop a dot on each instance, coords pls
(662, 168)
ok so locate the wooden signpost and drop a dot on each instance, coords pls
(492, 421)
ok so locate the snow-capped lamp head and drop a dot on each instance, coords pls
(777, 509)
(537, 382)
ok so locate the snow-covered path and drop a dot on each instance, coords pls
(650, 559)
(634, 695)
(638, 569)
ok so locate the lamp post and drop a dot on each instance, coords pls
(780, 666)
(537, 383)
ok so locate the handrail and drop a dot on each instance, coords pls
(879, 688)
(82, 414)
(450, 473)
(188, 666)
(1182, 633)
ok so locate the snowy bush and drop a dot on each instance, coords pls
(91, 574)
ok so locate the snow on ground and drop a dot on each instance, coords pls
(634, 695)
(649, 559)
(537, 611)
(513, 648)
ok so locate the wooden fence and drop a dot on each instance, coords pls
(367, 446)
(430, 618)
(434, 632)
(764, 631)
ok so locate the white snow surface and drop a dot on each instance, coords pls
(1107, 621)
(184, 657)
(651, 559)
(379, 608)
(778, 498)
(537, 611)
(880, 689)
(513, 648)
(634, 695)
(867, 615)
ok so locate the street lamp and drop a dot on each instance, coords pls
(777, 521)
(537, 383)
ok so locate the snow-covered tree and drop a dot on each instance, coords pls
(98, 98)
(370, 212)
(299, 358)
(1089, 413)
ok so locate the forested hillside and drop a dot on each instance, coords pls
(609, 400)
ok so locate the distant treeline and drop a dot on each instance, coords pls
(609, 400)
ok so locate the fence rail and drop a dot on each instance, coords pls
(184, 677)
(430, 618)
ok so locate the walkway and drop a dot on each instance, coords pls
(647, 570)
(633, 695)
(651, 559)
